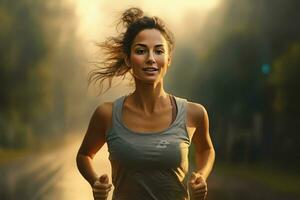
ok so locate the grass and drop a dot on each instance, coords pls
(287, 181)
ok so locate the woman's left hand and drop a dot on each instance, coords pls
(198, 187)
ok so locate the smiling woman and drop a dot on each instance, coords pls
(148, 132)
(149, 56)
(144, 39)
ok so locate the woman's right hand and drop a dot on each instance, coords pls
(101, 188)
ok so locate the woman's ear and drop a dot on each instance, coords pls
(169, 61)
(127, 61)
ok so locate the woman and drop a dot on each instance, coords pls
(149, 131)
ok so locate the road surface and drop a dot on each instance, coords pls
(54, 176)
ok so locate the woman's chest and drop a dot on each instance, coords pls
(154, 122)
(145, 151)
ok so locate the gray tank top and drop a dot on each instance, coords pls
(149, 166)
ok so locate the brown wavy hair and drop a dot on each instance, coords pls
(117, 48)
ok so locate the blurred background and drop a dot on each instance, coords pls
(240, 59)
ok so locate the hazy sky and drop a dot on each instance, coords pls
(96, 17)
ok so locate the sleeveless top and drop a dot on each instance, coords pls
(149, 166)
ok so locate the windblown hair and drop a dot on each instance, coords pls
(116, 49)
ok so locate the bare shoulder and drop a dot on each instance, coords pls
(104, 109)
(101, 118)
(196, 113)
(103, 113)
(95, 135)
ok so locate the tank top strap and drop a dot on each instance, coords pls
(181, 111)
(116, 118)
(117, 110)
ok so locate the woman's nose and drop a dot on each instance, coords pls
(150, 59)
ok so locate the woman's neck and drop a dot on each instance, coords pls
(150, 97)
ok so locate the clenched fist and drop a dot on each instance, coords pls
(198, 187)
(101, 188)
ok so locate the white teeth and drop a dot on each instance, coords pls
(150, 69)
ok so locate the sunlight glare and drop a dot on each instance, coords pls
(95, 16)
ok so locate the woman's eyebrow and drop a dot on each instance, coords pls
(143, 45)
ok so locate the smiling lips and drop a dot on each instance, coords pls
(150, 69)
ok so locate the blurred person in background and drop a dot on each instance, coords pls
(149, 131)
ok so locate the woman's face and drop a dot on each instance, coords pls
(149, 57)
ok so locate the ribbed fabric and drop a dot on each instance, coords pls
(149, 166)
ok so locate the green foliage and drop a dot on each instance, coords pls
(254, 111)
(35, 60)
(265, 174)
(286, 82)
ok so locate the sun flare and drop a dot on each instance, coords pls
(96, 16)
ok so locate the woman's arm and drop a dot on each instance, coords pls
(204, 150)
(94, 139)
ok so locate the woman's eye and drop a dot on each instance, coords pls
(139, 51)
(159, 51)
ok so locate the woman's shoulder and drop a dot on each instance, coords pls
(104, 110)
(194, 108)
(196, 112)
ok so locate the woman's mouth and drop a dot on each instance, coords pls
(150, 69)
